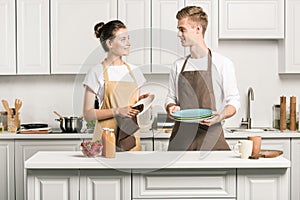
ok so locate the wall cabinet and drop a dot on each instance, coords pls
(7, 37)
(249, 19)
(289, 49)
(136, 14)
(7, 170)
(33, 31)
(72, 38)
(24, 149)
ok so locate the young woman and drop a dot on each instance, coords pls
(115, 83)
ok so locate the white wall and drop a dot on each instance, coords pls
(256, 63)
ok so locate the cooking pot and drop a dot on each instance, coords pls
(70, 124)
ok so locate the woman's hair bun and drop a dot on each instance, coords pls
(98, 29)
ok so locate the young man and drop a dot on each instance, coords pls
(204, 79)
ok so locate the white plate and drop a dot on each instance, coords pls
(147, 102)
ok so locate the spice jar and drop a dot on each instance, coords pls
(276, 116)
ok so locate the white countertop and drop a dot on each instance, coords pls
(239, 134)
(7, 135)
(57, 135)
(150, 160)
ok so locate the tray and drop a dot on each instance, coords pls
(270, 153)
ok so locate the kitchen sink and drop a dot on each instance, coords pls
(252, 130)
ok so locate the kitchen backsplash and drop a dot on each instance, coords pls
(256, 64)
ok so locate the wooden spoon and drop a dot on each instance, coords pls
(6, 106)
(58, 114)
(18, 105)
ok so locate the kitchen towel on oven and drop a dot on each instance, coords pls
(125, 134)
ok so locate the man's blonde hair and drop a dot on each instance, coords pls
(196, 14)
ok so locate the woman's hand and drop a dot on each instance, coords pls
(127, 111)
(218, 117)
(172, 108)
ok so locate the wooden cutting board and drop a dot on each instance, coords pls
(270, 153)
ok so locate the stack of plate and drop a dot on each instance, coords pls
(192, 115)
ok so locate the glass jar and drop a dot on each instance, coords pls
(276, 116)
(11, 124)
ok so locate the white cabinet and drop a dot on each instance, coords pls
(136, 14)
(74, 47)
(7, 37)
(269, 144)
(24, 149)
(184, 183)
(33, 48)
(105, 184)
(53, 184)
(78, 184)
(7, 170)
(147, 144)
(161, 144)
(263, 19)
(211, 9)
(295, 171)
(166, 47)
(289, 50)
(262, 184)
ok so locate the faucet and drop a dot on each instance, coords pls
(247, 122)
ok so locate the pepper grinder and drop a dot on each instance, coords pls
(282, 113)
(292, 113)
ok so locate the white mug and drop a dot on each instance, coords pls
(245, 148)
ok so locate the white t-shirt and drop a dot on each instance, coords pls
(223, 79)
(94, 79)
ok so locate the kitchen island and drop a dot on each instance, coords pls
(156, 175)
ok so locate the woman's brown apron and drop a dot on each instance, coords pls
(195, 90)
(117, 94)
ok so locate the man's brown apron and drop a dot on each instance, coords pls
(195, 90)
(117, 94)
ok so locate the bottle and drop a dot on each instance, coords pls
(104, 141)
(282, 113)
(292, 113)
(1, 127)
(276, 116)
(110, 144)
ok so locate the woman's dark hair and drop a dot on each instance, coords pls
(107, 31)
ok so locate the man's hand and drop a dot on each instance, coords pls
(172, 108)
(218, 117)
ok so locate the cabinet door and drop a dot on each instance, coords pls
(290, 47)
(147, 144)
(74, 47)
(166, 47)
(161, 144)
(53, 184)
(295, 171)
(105, 184)
(272, 144)
(136, 16)
(184, 183)
(24, 149)
(262, 184)
(7, 37)
(211, 9)
(7, 170)
(33, 37)
(263, 19)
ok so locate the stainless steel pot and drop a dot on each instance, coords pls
(70, 124)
